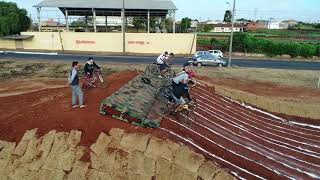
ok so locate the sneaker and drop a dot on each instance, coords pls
(185, 106)
(83, 106)
(75, 106)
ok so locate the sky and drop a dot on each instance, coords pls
(302, 10)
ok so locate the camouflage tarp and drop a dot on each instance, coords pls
(134, 101)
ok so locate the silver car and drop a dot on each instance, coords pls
(208, 60)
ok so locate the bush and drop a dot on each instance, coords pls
(317, 51)
(219, 44)
(244, 42)
(307, 51)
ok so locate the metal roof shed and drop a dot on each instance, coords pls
(133, 8)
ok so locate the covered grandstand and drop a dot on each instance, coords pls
(90, 11)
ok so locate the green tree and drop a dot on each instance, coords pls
(12, 19)
(78, 23)
(243, 20)
(317, 52)
(317, 26)
(207, 28)
(138, 23)
(185, 24)
(227, 17)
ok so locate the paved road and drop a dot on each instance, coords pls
(294, 65)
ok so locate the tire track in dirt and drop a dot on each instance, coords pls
(251, 143)
(266, 120)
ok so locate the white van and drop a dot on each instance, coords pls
(216, 52)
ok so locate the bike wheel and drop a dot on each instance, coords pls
(164, 92)
(152, 70)
(167, 82)
(165, 107)
(100, 78)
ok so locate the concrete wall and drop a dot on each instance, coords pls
(7, 44)
(107, 42)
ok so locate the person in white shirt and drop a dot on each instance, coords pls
(161, 61)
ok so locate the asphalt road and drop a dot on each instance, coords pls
(273, 64)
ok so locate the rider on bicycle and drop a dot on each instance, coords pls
(90, 66)
(180, 88)
(164, 62)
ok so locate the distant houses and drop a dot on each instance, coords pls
(221, 27)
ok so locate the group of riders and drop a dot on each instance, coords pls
(180, 82)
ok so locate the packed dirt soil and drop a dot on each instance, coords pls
(226, 132)
(50, 108)
(266, 88)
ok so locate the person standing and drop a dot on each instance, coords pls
(74, 84)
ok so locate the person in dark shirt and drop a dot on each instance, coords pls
(90, 66)
(74, 84)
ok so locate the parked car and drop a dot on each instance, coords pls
(200, 53)
(216, 52)
(208, 60)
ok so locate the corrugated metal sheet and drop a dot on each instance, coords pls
(110, 4)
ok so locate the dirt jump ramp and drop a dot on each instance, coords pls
(133, 102)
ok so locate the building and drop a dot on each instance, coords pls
(214, 22)
(51, 23)
(221, 28)
(274, 25)
(253, 26)
(281, 25)
(289, 24)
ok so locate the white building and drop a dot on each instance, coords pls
(221, 28)
(274, 25)
(214, 22)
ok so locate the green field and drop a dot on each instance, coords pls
(301, 36)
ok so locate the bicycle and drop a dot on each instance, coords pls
(153, 70)
(93, 81)
(168, 105)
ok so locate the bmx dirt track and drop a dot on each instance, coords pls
(250, 143)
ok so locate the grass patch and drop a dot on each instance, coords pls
(297, 78)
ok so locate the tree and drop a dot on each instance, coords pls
(207, 28)
(227, 16)
(243, 20)
(138, 23)
(317, 26)
(185, 24)
(79, 23)
(12, 19)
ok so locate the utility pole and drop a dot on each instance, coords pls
(123, 27)
(255, 14)
(319, 82)
(231, 36)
